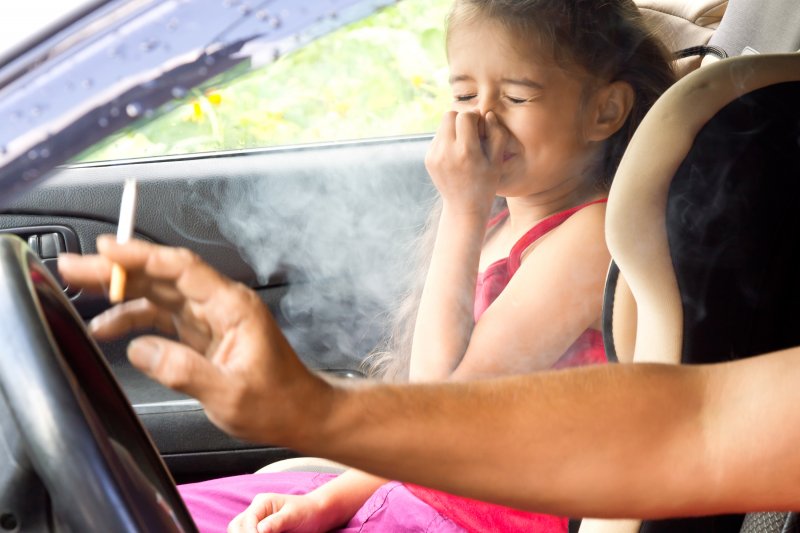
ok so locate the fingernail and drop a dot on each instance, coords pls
(103, 241)
(96, 324)
(145, 354)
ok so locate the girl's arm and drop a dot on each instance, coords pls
(465, 171)
(552, 299)
(445, 315)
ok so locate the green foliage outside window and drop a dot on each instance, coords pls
(384, 75)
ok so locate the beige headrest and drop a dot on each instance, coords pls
(682, 24)
(636, 214)
(635, 218)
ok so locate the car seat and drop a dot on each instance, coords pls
(685, 27)
(704, 232)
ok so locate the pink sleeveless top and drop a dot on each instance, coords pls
(477, 516)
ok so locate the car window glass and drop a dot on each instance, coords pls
(385, 75)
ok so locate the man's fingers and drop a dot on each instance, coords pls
(178, 367)
(129, 316)
(194, 278)
(92, 273)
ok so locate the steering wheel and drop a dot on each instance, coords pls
(73, 422)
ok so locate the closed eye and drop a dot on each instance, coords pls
(464, 97)
(514, 100)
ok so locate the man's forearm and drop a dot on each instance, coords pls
(618, 440)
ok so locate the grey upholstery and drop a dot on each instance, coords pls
(770, 523)
(765, 27)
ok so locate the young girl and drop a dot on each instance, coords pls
(546, 94)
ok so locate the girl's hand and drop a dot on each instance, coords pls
(465, 159)
(276, 513)
(231, 355)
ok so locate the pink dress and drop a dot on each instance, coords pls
(395, 506)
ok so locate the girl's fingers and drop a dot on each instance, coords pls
(131, 315)
(447, 127)
(235, 525)
(481, 128)
(496, 139)
(467, 128)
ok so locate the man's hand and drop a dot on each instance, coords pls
(230, 355)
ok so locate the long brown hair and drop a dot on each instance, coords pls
(607, 39)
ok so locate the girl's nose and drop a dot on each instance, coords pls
(485, 105)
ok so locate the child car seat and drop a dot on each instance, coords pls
(704, 231)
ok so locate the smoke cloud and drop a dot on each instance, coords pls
(342, 239)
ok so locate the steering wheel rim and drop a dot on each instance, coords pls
(52, 375)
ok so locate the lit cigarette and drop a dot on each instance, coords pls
(127, 211)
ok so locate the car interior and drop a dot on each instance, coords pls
(668, 298)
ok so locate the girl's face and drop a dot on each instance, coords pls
(539, 103)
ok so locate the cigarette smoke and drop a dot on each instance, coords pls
(340, 238)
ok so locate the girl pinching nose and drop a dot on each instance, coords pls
(546, 95)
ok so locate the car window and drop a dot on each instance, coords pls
(385, 75)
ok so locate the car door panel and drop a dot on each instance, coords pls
(191, 202)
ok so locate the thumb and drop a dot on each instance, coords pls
(275, 523)
(175, 365)
(496, 138)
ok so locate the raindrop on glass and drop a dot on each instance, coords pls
(262, 15)
(149, 113)
(178, 92)
(133, 110)
(209, 60)
(87, 83)
(172, 24)
(102, 122)
(33, 155)
(44, 153)
(36, 111)
(149, 45)
(114, 111)
(275, 22)
(230, 3)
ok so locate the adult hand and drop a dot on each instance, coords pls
(278, 513)
(230, 354)
(465, 159)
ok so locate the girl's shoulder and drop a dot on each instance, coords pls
(587, 215)
(568, 230)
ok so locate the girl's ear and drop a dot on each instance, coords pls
(609, 110)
